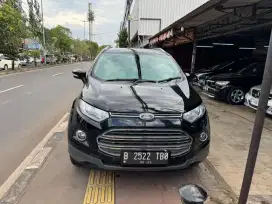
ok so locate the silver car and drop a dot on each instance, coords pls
(252, 99)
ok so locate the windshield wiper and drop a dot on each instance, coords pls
(169, 79)
(143, 81)
(122, 80)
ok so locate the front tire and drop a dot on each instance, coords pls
(236, 96)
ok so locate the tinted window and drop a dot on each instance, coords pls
(253, 69)
(123, 66)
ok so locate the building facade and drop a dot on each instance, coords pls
(149, 17)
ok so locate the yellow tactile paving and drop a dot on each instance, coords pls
(100, 188)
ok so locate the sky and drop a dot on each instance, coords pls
(108, 16)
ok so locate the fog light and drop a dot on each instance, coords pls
(80, 136)
(203, 137)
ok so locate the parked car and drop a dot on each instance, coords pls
(136, 111)
(252, 99)
(6, 63)
(225, 67)
(232, 87)
(51, 59)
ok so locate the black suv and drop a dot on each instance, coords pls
(136, 111)
(232, 87)
(225, 67)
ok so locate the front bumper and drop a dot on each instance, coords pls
(86, 158)
(92, 154)
(252, 103)
(218, 92)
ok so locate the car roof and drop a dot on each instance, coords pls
(138, 50)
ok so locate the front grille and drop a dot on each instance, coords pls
(136, 115)
(256, 93)
(210, 83)
(114, 141)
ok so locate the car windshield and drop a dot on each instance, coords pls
(123, 66)
(254, 68)
(221, 66)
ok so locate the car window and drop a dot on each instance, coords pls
(253, 69)
(123, 66)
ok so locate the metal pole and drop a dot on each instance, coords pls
(129, 33)
(84, 29)
(258, 127)
(43, 32)
(193, 57)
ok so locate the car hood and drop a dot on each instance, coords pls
(229, 77)
(174, 97)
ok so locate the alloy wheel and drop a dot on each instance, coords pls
(237, 96)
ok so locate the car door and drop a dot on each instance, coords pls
(254, 75)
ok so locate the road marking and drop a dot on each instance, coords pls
(16, 87)
(27, 162)
(37, 70)
(100, 188)
(5, 102)
(58, 74)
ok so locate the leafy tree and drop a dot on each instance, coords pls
(62, 37)
(93, 48)
(35, 19)
(101, 48)
(122, 40)
(12, 29)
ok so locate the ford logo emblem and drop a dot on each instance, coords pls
(146, 116)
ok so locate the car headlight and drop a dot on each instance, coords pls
(194, 114)
(222, 83)
(92, 112)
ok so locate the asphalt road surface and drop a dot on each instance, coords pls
(31, 103)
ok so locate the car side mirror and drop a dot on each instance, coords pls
(80, 74)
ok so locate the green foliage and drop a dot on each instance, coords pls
(35, 19)
(12, 29)
(61, 37)
(93, 48)
(122, 40)
(101, 48)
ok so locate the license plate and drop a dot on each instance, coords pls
(254, 102)
(145, 158)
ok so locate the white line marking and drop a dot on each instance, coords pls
(15, 175)
(37, 70)
(16, 87)
(58, 74)
(5, 102)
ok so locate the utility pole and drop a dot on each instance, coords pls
(258, 126)
(90, 19)
(129, 22)
(43, 32)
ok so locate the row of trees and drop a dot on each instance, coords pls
(15, 26)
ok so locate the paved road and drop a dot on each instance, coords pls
(30, 105)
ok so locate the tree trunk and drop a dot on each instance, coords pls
(35, 62)
(13, 65)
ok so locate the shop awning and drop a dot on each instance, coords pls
(216, 18)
